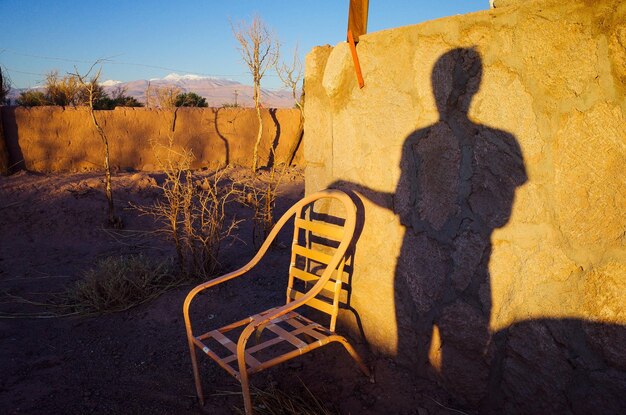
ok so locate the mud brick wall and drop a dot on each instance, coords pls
(55, 139)
(489, 151)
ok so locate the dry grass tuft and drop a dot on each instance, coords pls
(274, 401)
(113, 284)
(118, 284)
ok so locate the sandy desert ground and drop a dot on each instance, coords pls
(133, 362)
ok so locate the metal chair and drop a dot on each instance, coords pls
(317, 278)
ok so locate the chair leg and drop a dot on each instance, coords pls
(245, 389)
(355, 356)
(196, 372)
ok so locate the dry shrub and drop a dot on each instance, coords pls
(64, 90)
(113, 284)
(117, 284)
(161, 96)
(193, 213)
(260, 195)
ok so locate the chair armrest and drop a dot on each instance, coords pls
(211, 283)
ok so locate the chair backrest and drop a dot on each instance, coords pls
(324, 227)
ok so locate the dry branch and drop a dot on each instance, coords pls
(259, 51)
(291, 76)
(91, 87)
(261, 195)
(193, 214)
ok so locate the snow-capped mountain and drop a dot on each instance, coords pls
(110, 82)
(217, 91)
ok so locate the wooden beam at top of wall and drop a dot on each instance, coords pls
(357, 18)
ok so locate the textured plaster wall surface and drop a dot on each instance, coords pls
(489, 151)
(50, 139)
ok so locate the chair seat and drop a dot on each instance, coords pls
(285, 337)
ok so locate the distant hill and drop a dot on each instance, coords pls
(217, 91)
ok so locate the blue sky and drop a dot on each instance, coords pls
(149, 39)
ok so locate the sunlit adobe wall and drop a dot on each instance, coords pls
(489, 151)
(57, 139)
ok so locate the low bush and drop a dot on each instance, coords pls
(107, 103)
(118, 284)
(32, 98)
(190, 99)
(5, 86)
(114, 284)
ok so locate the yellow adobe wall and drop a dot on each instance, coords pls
(489, 150)
(53, 139)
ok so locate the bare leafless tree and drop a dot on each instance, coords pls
(148, 93)
(161, 96)
(119, 92)
(259, 51)
(291, 76)
(91, 88)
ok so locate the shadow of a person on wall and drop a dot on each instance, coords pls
(457, 185)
